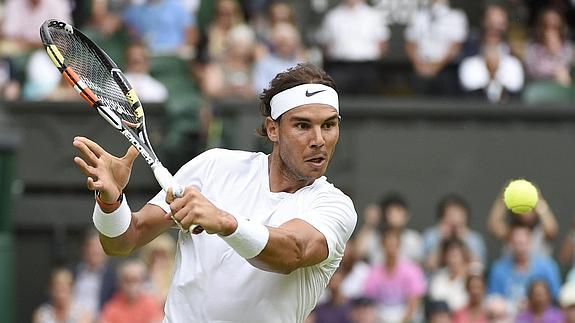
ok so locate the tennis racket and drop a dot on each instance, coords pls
(99, 81)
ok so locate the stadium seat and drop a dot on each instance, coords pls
(547, 92)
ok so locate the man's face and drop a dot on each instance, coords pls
(520, 243)
(306, 138)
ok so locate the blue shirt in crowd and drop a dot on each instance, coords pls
(511, 284)
(160, 24)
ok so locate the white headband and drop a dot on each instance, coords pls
(303, 94)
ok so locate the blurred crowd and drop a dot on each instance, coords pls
(232, 48)
(392, 273)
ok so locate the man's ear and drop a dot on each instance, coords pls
(272, 129)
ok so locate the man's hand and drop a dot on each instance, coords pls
(105, 173)
(194, 208)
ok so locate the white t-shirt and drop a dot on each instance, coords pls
(212, 283)
(354, 34)
(435, 29)
(452, 291)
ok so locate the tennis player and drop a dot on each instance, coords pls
(275, 228)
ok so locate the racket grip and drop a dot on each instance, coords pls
(166, 180)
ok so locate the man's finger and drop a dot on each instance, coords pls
(94, 147)
(169, 196)
(86, 152)
(84, 167)
(93, 185)
(131, 155)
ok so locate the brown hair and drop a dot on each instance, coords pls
(302, 73)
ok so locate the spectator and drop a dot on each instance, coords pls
(228, 15)
(158, 255)
(550, 55)
(448, 283)
(498, 310)
(452, 213)
(540, 308)
(541, 220)
(354, 36)
(9, 86)
(491, 71)
(278, 13)
(42, 78)
(567, 251)
(355, 271)
(474, 311)
(438, 312)
(567, 301)
(231, 75)
(130, 303)
(393, 212)
(61, 307)
(286, 52)
(397, 285)
(337, 308)
(363, 310)
(22, 21)
(138, 73)
(164, 26)
(511, 274)
(434, 38)
(95, 278)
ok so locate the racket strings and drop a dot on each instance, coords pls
(85, 62)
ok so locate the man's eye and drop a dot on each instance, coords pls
(302, 125)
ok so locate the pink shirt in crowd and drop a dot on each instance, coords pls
(395, 288)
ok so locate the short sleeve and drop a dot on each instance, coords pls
(413, 29)
(416, 283)
(194, 173)
(460, 26)
(334, 216)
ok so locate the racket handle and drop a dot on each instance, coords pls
(166, 181)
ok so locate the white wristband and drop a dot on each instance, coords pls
(113, 224)
(249, 239)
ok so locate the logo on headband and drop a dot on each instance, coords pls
(308, 93)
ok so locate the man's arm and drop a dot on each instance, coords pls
(145, 226)
(292, 245)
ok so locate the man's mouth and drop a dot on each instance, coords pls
(316, 162)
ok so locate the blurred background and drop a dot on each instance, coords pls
(443, 102)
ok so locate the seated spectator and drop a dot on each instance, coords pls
(539, 305)
(550, 55)
(498, 309)
(363, 310)
(355, 271)
(448, 283)
(511, 274)
(354, 37)
(493, 74)
(228, 15)
(62, 307)
(158, 255)
(95, 278)
(9, 86)
(231, 76)
(22, 21)
(393, 212)
(286, 52)
(397, 285)
(138, 73)
(42, 77)
(541, 220)
(452, 214)
(337, 308)
(474, 311)
(567, 251)
(164, 26)
(493, 31)
(434, 38)
(131, 303)
(438, 312)
(278, 13)
(567, 301)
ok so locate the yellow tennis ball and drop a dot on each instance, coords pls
(520, 196)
